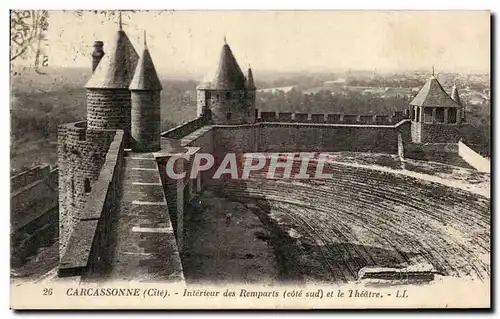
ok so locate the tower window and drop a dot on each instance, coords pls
(228, 95)
(428, 115)
(228, 116)
(452, 115)
(87, 186)
(440, 115)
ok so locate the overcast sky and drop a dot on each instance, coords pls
(190, 41)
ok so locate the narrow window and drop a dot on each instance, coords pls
(440, 115)
(428, 115)
(87, 186)
(208, 95)
(452, 115)
(228, 95)
(228, 116)
(72, 194)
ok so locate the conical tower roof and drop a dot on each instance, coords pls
(228, 75)
(145, 76)
(433, 94)
(454, 94)
(116, 69)
(250, 81)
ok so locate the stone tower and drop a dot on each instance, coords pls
(82, 146)
(108, 95)
(224, 99)
(435, 116)
(97, 54)
(145, 91)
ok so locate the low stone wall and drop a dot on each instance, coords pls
(87, 254)
(184, 129)
(301, 137)
(33, 194)
(473, 159)
(30, 176)
(277, 137)
(274, 137)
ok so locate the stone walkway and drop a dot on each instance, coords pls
(145, 246)
(226, 243)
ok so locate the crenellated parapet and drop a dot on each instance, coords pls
(333, 118)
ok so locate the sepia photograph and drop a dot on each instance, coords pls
(170, 159)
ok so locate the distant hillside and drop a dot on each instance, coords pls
(40, 102)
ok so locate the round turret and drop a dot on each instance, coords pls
(108, 97)
(146, 113)
(224, 99)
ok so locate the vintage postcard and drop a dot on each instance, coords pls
(250, 159)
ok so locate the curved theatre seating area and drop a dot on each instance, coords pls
(364, 217)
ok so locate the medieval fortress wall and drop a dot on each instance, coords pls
(86, 214)
(81, 156)
(302, 137)
(33, 193)
(123, 117)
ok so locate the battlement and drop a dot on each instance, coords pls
(87, 245)
(187, 128)
(30, 176)
(332, 118)
(33, 193)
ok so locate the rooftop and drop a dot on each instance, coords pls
(228, 75)
(145, 76)
(433, 94)
(116, 69)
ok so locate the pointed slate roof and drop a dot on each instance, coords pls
(250, 82)
(433, 94)
(454, 94)
(228, 75)
(145, 76)
(116, 69)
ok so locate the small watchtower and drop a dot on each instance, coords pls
(227, 97)
(435, 116)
